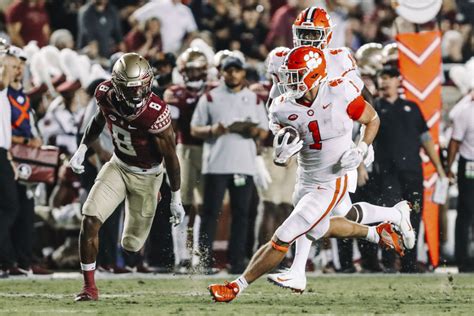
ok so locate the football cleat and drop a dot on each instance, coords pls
(296, 282)
(408, 233)
(224, 292)
(87, 294)
(390, 238)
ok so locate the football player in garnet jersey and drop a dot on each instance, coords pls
(313, 27)
(140, 124)
(322, 111)
(182, 100)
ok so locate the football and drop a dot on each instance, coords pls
(287, 129)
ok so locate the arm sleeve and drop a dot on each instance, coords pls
(356, 108)
(422, 126)
(459, 128)
(162, 122)
(274, 123)
(201, 113)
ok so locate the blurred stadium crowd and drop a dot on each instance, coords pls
(64, 49)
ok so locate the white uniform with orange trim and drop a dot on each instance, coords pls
(325, 126)
(339, 61)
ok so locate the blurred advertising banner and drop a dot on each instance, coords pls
(420, 66)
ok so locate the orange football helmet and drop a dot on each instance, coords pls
(313, 27)
(303, 69)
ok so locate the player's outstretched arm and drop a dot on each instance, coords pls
(167, 145)
(93, 130)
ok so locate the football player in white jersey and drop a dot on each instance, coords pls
(322, 113)
(313, 27)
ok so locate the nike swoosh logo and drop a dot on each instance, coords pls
(131, 127)
(283, 280)
(218, 295)
(326, 106)
(321, 188)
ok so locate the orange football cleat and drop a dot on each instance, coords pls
(390, 238)
(224, 292)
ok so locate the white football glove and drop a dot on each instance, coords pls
(76, 161)
(177, 209)
(284, 151)
(369, 157)
(262, 176)
(352, 158)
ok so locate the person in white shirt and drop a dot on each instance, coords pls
(177, 21)
(8, 190)
(462, 142)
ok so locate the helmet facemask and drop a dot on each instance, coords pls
(293, 85)
(133, 93)
(310, 35)
(195, 76)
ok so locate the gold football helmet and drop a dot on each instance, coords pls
(193, 65)
(132, 77)
(369, 58)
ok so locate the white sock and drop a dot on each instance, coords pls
(242, 283)
(303, 246)
(372, 235)
(180, 239)
(88, 266)
(376, 214)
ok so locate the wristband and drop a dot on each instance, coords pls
(176, 197)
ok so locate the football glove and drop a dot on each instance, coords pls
(284, 151)
(262, 176)
(177, 209)
(76, 161)
(352, 158)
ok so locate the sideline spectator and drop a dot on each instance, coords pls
(99, 28)
(22, 122)
(27, 20)
(398, 163)
(228, 158)
(462, 141)
(145, 39)
(280, 32)
(177, 21)
(8, 190)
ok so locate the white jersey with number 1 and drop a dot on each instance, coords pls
(325, 126)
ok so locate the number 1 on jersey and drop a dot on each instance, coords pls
(314, 129)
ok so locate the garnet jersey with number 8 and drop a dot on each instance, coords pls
(133, 135)
(325, 126)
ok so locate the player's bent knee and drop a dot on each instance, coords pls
(131, 243)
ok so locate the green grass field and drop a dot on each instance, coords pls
(359, 294)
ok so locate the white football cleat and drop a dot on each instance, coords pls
(405, 227)
(289, 280)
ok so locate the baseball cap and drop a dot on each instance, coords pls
(17, 52)
(232, 61)
(389, 71)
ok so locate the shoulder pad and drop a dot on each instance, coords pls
(102, 90)
(344, 87)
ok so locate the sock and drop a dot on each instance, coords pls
(242, 283)
(196, 227)
(88, 270)
(376, 214)
(372, 235)
(303, 246)
(180, 238)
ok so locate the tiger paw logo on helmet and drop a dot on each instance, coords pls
(313, 60)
